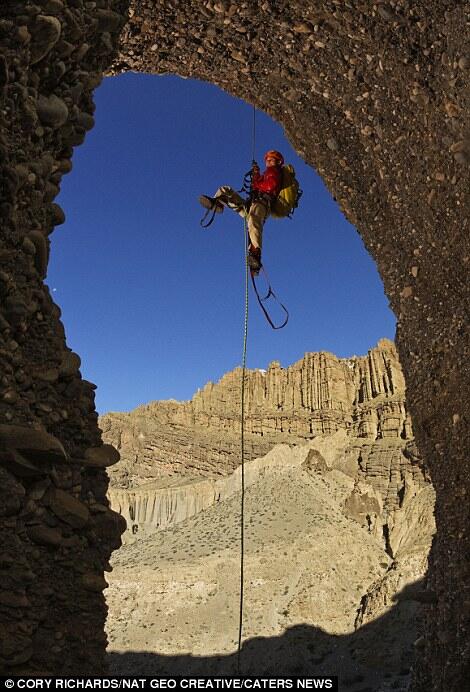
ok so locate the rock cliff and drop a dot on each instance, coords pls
(349, 415)
(319, 395)
(387, 482)
(304, 503)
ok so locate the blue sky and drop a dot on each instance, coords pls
(153, 303)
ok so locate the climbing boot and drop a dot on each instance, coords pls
(211, 203)
(254, 259)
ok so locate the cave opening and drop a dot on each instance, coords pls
(138, 182)
(132, 257)
(366, 108)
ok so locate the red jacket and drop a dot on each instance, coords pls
(268, 182)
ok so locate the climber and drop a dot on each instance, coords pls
(264, 189)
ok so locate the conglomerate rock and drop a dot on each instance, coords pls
(375, 96)
(56, 527)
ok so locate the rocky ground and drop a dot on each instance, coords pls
(322, 593)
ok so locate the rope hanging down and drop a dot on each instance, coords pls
(242, 451)
(242, 510)
(270, 294)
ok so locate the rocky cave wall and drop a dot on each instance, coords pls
(375, 96)
(57, 530)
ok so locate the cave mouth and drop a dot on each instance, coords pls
(137, 229)
(374, 97)
(133, 231)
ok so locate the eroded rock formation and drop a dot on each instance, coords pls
(318, 395)
(386, 480)
(375, 96)
(182, 515)
(306, 508)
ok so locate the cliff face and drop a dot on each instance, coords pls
(319, 395)
(387, 477)
(177, 459)
(375, 498)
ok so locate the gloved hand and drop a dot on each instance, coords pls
(254, 167)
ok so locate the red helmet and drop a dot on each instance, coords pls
(273, 154)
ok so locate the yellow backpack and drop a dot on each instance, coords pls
(287, 200)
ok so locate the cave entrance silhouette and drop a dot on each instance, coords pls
(157, 144)
(375, 99)
(332, 218)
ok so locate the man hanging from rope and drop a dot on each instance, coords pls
(264, 189)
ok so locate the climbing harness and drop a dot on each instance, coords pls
(269, 294)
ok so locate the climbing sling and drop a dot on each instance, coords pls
(209, 213)
(269, 294)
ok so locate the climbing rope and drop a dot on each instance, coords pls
(253, 135)
(245, 338)
(242, 510)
